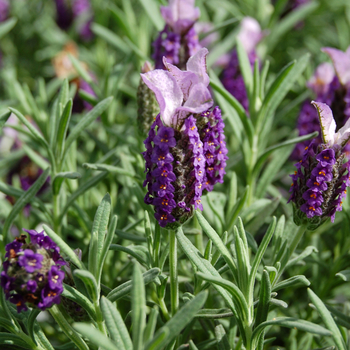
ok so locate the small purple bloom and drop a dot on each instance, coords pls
(49, 297)
(32, 286)
(55, 277)
(30, 260)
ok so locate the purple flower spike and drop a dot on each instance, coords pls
(320, 182)
(32, 273)
(185, 149)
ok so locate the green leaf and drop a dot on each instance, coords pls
(107, 243)
(260, 253)
(22, 201)
(217, 242)
(177, 323)
(110, 37)
(264, 299)
(125, 288)
(31, 321)
(214, 313)
(37, 135)
(152, 9)
(59, 178)
(138, 304)
(344, 274)
(63, 128)
(246, 69)
(129, 251)
(5, 323)
(292, 282)
(7, 26)
(110, 168)
(65, 248)
(221, 338)
(40, 161)
(115, 325)
(86, 121)
(305, 253)
(236, 294)
(279, 88)
(16, 341)
(291, 322)
(90, 283)
(247, 124)
(328, 320)
(98, 233)
(79, 298)
(151, 325)
(243, 265)
(82, 189)
(81, 70)
(3, 118)
(95, 336)
(237, 209)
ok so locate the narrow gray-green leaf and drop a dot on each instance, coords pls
(90, 283)
(212, 234)
(24, 200)
(7, 26)
(65, 248)
(98, 233)
(125, 288)
(344, 274)
(292, 282)
(245, 68)
(86, 121)
(95, 336)
(264, 299)
(221, 338)
(138, 304)
(328, 320)
(63, 128)
(3, 118)
(178, 322)
(81, 70)
(115, 325)
(79, 298)
(152, 9)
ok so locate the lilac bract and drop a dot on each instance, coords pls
(178, 40)
(32, 273)
(185, 149)
(320, 181)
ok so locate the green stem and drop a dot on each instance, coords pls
(99, 318)
(198, 238)
(174, 285)
(56, 213)
(293, 245)
(67, 328)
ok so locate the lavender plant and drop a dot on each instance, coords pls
(207, 255)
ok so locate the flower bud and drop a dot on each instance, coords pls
(147, 104)
(32, 274)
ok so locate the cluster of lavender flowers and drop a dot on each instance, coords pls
(32, 273)
(320, 181)
(250, 35)
(331, 86)
(77, 11)
(185, 149)
(178, 41)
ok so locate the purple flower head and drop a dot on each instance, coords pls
(321, 80)
(185, 149)
(320, 182)
(64, 15)
(180, 15)
(31, 270)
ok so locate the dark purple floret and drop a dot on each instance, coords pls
(4, 10)
(32, 273)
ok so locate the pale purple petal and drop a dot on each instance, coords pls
(197, 64)
(341, 62)
(167, 91)
(250, 33)
(180, 15)
(185, 79)
(323, 76)
(198, 101)
(326, 121)
(343, 135)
